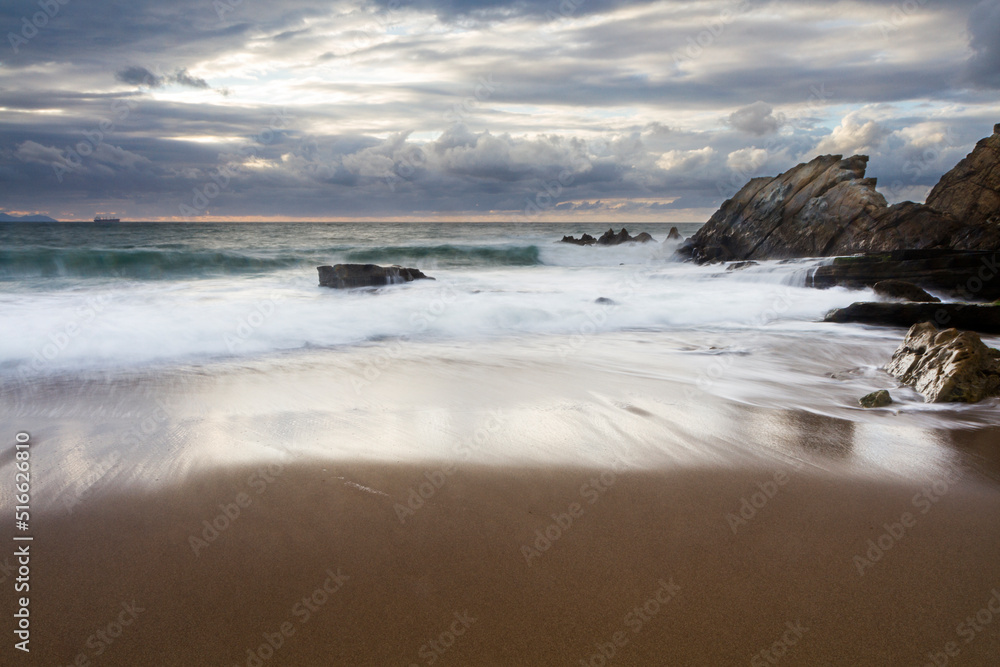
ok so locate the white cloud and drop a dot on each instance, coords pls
(758, 118)
(686, 160)
(854, 135)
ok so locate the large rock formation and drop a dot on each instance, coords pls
(829, 207)
(610, 238)
(975, 317)
(947, 366)
(344, 276)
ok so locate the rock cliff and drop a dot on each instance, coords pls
(828, 207)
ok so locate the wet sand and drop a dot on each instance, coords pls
(787, 578)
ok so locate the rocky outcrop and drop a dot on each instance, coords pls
(904, 291)
(586, 239)
(969, 275)
(974, 317)
(674, 234)
(643, 238)
(345, 276)
(828, 207)
(947, 366)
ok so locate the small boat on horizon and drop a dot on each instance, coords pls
(98, 218)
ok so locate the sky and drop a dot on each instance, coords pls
(452, 110)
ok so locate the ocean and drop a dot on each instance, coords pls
(89, 305)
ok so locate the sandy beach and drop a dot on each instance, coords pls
(568, 513)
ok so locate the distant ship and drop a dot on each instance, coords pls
(98, 218)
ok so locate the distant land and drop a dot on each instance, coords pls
(4, 217)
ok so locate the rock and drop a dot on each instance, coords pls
(971, 191)
(947, 366)
(674, 235)
(983, 318)
(971, 275)
(643, 238)
(586, 239)
(739, 266)
(605, 301)
(900, 289)
(876, 399)
(828, 207)
(344, 276)
(610, 238)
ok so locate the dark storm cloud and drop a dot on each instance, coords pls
(984, 28)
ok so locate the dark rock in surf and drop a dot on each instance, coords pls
(586, 239)
(610, 238)
(605, 301)
(346, 276)
(900, 289)
(674, 235)
(643, 238)
(973, 317)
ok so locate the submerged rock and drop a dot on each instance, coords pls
(876, 399)
(983, 318)
(739, 266)
(900, 289)
(605, 301)
(345, 276)
(947, 366)
(828, 207)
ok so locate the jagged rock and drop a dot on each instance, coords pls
(739, 266)
(610, 238)
(586, 239)
(828, 207)
(947, 366)
(643, 238)
(344, 276)
(975, 317)
(876, 399)
(900, 289)
(971, 275)
(674, 235)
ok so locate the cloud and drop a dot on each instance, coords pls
(747, 160)
(685, 160)
(140, 76)
(758, 118)
(984, 32)
(854, 135)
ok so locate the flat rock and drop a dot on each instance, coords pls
(900, 289)
(984, 318)
(968, 274)
(739, 266)
(346, 276)
(947, 366)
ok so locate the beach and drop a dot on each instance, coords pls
(698, 487)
